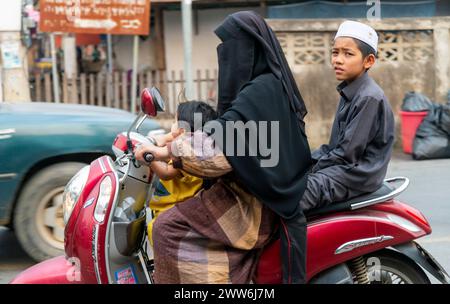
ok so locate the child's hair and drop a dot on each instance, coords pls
(186, 110)
(365, 49)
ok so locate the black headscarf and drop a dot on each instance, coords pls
(256, 84)
(243, 34)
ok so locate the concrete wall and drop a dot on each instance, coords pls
(318, 88)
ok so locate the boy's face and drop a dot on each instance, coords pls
(347, 60)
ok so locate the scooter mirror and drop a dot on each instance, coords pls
(158, 100)
(147, 103)
(152, 101)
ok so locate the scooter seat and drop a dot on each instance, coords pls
(384, 191)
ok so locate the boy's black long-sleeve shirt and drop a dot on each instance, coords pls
(362, 138)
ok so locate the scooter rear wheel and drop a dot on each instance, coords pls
(389, 267)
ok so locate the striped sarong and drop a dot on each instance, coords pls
(214, 237)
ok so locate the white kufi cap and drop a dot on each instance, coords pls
(359, 31)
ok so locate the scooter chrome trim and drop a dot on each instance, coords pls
(88, 203)
(349, 246)
(95, 255)
(140, 122)
(102, 165)
(384, 198)
(348, 217)
(112, 207)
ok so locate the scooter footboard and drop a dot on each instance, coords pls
(127, 241)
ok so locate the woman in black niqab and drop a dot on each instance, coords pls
(215, 235)
(256, 84)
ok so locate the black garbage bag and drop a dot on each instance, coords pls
(416, 102)
(444, 119)
(432, 138)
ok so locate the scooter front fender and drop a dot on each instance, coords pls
(58, 270)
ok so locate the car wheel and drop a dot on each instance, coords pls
(38, 216)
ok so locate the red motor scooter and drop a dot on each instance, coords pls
(369, 239)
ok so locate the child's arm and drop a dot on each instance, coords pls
(164, 170)
(163, 139)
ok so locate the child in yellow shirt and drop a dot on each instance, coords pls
(176, 185)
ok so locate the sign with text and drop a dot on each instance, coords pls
(117, 17)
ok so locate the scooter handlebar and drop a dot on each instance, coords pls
(148, 157)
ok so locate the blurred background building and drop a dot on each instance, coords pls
(413, 52)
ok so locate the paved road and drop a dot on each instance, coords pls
(12, 258)
(429, 192)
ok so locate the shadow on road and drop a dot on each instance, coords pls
(11, 250)
(12, 257)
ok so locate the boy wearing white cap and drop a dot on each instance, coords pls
(355, 160)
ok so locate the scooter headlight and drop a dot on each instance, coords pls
(103, 199)
(73, 191)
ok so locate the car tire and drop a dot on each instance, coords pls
(38, 216)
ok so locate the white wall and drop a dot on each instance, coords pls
(204, 42)
(123, 49)
(14, 85)
(11, 15)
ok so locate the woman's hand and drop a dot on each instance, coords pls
(159, 153)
